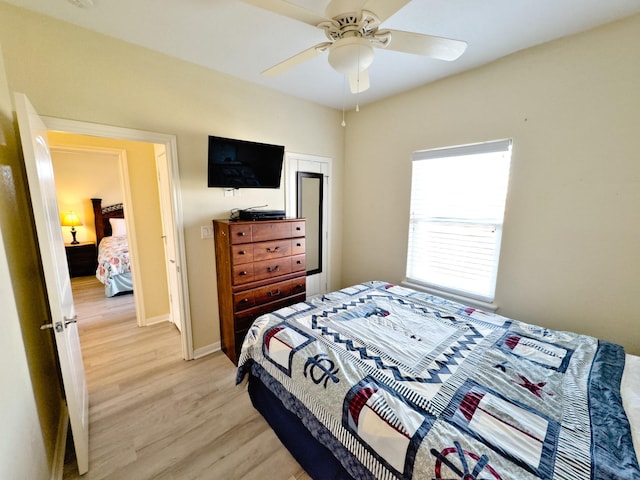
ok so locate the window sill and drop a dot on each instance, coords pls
(468, 301)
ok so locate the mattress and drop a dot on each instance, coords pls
(395, 383)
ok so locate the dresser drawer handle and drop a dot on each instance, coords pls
(242, 234)
(243, 273)
(298, 244)
(242, 252)
(273, 250)
(274, 294)
(298, 228)
(273, 269)
(244, 300)
(298, 262)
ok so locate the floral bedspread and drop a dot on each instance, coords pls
(402, 384)
(113, 259)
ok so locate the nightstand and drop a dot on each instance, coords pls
(82, 259)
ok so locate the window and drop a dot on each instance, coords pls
(457, 208)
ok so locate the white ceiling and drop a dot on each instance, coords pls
(242, 40)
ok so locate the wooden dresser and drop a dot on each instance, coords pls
(261, 266)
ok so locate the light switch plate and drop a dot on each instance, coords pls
(206, 231)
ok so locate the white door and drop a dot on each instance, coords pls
(37, 158)
(312, 202)
(168, 229)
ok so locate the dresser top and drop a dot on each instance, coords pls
(255, 222)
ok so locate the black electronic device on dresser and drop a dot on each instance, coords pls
(260, 215)
(82, 259)
(260, 267)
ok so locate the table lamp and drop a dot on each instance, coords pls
(71, 219)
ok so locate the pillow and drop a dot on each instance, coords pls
(118, 227)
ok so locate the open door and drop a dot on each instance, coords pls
(37, 158)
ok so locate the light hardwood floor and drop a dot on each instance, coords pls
(153, 415)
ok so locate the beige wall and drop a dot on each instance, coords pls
(71, 73)
(30, 392)
(81, 176)
(570, 254)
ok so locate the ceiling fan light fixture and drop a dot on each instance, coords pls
(350, 55)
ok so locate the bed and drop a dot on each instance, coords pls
(114, 262)
(377, 381)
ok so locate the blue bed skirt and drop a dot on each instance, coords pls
(316, 459)
(122, 283)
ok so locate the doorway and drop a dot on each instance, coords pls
(308, 194)
(84, 171)
(170, 206)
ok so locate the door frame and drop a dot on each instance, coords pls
(168, 237)
(323, 164)
(120, 156)
(170, 144)
(300, 175)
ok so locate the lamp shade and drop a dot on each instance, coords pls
(71, 219)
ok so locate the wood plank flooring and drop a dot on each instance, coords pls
(153, 415)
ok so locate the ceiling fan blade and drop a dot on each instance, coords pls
(297, 59)
(282, 7)
(384, 8)
(359, 81)
(427, 45)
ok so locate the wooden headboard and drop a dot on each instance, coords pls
(102, 215)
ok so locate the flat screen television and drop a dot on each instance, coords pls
(243, 164)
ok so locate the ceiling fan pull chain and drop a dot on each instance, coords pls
(344, 94)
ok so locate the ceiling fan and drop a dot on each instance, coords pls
(352, 30)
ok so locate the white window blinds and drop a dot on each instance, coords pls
(457, 208)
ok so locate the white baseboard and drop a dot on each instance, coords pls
(57, 468)
(158, 319)
(206, 350)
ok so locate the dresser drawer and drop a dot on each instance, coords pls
(243, 274)
(244, 300)
(240, 233)
(242, 253)
(270, 250)
(298, 285)
(297, 246)
(271, 231)
(299, 263)
(273, 292)
(297, 229)
(243, 320)
(271, 268)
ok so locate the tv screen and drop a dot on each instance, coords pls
(242, 164)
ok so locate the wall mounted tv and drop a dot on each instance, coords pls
(243, 164)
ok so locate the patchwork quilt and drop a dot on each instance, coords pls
(113, 259)
(403, 384)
